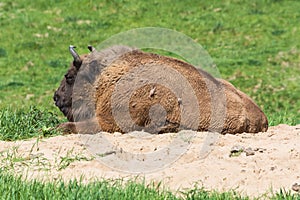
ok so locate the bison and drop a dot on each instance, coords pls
(122, 89)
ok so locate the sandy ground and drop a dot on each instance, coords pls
(253, 164)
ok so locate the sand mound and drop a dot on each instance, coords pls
(253, 164)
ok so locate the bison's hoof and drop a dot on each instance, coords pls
(67, 128)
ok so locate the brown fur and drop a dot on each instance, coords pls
(215, 98)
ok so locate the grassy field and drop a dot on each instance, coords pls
(255, 44)
(105, 189)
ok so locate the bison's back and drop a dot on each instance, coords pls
(134, 93)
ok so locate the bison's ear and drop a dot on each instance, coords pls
(77, 61)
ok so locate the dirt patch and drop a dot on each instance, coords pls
(253, 164)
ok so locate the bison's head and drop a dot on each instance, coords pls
(63, 95)
(74, 97)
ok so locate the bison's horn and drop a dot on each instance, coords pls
(91, 48)
(77, 61)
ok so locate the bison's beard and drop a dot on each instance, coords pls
(82, 109)
(80, 114)
(67, 111)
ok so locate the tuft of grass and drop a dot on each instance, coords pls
(200, 193)
(26, 123)
(16, 188)
(286, 195)
(64, 161)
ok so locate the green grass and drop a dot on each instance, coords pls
(16, 188)
(26, 123)
(255, 44)
(12, 187)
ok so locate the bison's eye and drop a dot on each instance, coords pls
(70, 79)
(55, 97)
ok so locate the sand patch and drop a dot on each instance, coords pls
(179, 161)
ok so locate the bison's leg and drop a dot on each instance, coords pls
(67, 128)
(85, 127)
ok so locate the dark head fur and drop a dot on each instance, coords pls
(78, 104)
(63, 95)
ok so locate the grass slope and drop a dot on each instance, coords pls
(255, 44)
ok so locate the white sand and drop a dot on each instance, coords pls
(192, 158)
